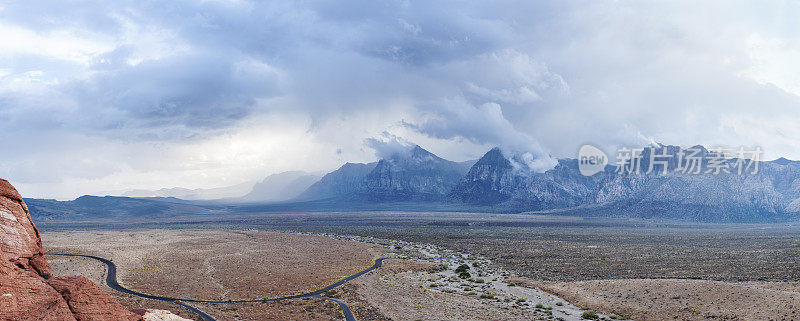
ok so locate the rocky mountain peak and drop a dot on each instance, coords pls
(491, 180)
(413, 174)
(494, 157)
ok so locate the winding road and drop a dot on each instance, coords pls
(111, 280)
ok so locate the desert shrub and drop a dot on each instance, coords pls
(560, 304)
(539, 306)
(590, 315)
(332, 294)
(462, 268)
(464, 275)
(480, 281)
(487, 296)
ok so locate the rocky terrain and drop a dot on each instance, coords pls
(28, 290)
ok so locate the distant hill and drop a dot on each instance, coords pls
(192, 194)
(111, 207)
(341, 182)
(280, 187)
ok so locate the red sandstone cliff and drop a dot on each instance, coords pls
(27, 291)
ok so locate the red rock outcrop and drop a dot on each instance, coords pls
(25, 293)
(21, 244)
(88, 302)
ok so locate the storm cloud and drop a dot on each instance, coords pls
(98, 96)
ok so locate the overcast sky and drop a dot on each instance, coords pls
(100, 96)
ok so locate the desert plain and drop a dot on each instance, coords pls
(520, 267)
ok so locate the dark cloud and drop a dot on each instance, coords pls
(531, 76)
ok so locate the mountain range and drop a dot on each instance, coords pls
(499, 182)
(771, 194)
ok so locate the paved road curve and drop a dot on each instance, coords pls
(111, 280)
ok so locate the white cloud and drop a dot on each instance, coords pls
(69, 45)
(774, 61)
(100, 95)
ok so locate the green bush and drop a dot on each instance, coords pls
(462, 268)
(480, 281)
(590, 315)
(560, 304)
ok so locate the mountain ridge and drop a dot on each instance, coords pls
(417, 180)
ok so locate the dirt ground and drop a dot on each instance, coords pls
(399, 292)
(220, 265)
(216, 264)
(300, 309)
(680, 299)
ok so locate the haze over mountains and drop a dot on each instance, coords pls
(192, 194)
(279, 187)
(498, 182)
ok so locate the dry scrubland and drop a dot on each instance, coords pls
(681, 299)
(218, 265)
(290, 310)
(232, 264)
(741, 273)
(591, 253)
(749, 274)
(401, 292)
